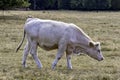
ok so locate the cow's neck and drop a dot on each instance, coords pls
(81, 37)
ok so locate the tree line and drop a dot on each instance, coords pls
(61, 4)
(12, 4)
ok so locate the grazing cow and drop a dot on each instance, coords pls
(49, 35)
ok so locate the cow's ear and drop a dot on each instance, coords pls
(91, 44)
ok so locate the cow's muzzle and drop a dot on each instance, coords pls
(101, 59)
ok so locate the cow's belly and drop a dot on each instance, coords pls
(48, 41)
(48, 46)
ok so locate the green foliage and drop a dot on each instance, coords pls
(115, 4)
(89, 4)
(97, 4)
(51, 2)
(61, 4)
(43, 4)
(76, 4)
(9, 4)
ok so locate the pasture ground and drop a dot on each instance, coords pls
(100, 26)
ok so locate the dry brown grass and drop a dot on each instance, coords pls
(101, 26)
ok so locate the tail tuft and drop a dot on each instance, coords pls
(17, 49)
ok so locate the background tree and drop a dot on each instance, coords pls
(61, 4)
(76, 4)
(115, 4)
(103, 4)
(10, 4)
(43, 4)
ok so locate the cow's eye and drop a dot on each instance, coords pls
(99, 51)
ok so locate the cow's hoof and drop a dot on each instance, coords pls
(70, 67)
(24, 66)
(40, 67)
(53, 66)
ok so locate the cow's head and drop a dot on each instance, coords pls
(94, 51)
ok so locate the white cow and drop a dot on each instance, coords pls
(49, 35)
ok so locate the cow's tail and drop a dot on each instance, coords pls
(21, 42)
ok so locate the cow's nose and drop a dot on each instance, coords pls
(102, 58)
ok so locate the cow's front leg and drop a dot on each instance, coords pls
(33, 52)
(58, 57)
(69, 65)
(69, 51)
(61, 49)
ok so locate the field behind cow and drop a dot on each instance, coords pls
(100, 26)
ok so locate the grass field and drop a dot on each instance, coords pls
(101, 26)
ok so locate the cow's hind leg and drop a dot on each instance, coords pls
(25, 54)
(33, 52)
